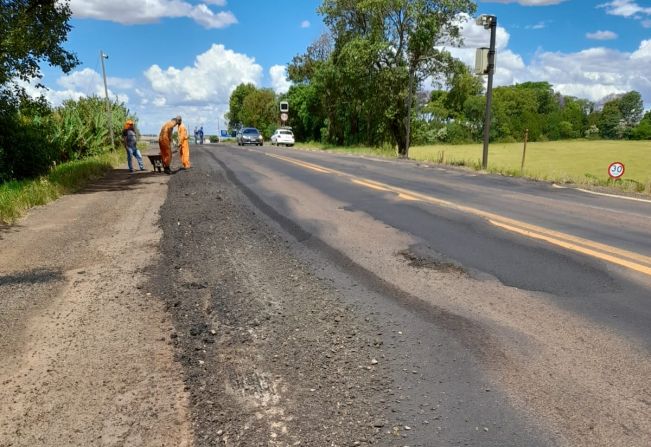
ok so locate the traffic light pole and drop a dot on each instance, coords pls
(489, 91)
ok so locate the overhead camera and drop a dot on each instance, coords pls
(485, 20)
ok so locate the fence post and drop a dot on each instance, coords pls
(524, 150)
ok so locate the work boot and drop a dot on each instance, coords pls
(167, 170)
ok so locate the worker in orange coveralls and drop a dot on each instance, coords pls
(165, 143)
(184, 146)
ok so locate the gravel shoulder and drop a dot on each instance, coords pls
(84, 354)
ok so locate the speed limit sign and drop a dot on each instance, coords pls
(616, 170)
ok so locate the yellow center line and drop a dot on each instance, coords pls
(370, 185)
(311, 166)
(596, 254)
(625, 258)
(408, 197)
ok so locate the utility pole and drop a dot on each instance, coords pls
(489, 22)
(109, 115)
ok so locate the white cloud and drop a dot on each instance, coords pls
(602, 35)
(82, 83)
(591, 73)
(539, 25)
(279, 82)
(130, 12)
(305, 24)
(200, 92)
(211, 79)
(624, 8)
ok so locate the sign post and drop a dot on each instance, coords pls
(616, 170)
(284, 112)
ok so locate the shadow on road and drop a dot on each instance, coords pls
(37, 276)
(119, 180)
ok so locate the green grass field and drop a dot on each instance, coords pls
(16, 197)
(583, 162)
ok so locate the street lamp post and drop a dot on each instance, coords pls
(488, 22)
(103, 56)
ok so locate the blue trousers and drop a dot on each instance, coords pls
(133, 151)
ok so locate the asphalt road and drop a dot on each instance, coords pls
(608, 292)
(524, 288)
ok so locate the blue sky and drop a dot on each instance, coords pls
(186, 56)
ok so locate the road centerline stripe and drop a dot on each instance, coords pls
(625, 258)
(587, 251)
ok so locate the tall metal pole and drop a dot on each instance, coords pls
(103, 56)
(410, 99)
(489, 91)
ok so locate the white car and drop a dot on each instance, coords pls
(283, 136)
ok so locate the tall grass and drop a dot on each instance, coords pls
(581, 162)
(17, 196)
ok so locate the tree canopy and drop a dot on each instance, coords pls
(33, 31)
(368, 70)
(363, 82)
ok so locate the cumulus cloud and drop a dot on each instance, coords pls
(82, 83)
(305, 24)
(602, 35)
(591, 73)
(211, 79)
(624, 8)
(130, 13)
(278, 75)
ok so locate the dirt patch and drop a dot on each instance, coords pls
(84, 355)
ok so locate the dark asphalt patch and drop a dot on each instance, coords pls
(271, 354)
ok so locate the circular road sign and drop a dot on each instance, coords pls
(616, 170)
(284, 116)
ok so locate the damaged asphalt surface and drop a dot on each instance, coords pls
(254, 302)
(285, 344)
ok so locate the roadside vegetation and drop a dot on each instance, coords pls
(17, 196)
(580, 162)
(46, 151)
(365, 86)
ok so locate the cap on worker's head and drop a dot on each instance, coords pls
(129, 123)
(177, 118)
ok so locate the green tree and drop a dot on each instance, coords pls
(631, 108)
(260, 110)
(236, 103)
(394, 44)
(643, 130)
(306, 114)
(609, 120)
(33, 31)
(463, 85)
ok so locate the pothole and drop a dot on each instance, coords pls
(426, 262)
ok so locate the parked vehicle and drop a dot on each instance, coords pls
(249, 135)
(282, 136)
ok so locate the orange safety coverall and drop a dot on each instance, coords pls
(165, 143)
(184, 146)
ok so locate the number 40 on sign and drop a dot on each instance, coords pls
(616, 170)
